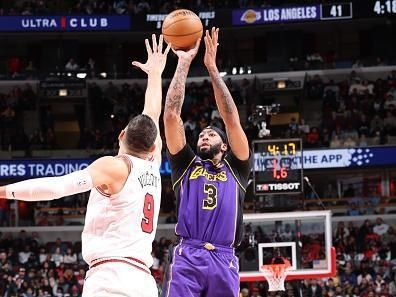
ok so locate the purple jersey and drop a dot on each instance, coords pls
(209, 197)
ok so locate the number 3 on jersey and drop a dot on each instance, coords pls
(210, 202)
(148, 212)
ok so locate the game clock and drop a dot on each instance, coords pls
(385, 7)
(277, 166)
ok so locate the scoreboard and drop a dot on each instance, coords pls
(336, 11)
(348, 10)
(277, 166)
(315, 11)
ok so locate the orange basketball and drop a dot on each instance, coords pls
(182, 28)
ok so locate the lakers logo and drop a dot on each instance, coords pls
(200, 171)
(251, 16)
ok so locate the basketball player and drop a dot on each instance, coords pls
(123, 207)
(209, 186)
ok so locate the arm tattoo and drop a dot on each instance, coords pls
(225, 102)
(180, 130)
(175, 95)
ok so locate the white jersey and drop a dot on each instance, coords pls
(124, 224)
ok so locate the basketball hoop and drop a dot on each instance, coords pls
(275, 274)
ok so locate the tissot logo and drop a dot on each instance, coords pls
(65, 22)
(278, 187)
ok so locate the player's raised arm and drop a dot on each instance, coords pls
(224, 101)
(106, 170)
(174, 129)
(154, 66)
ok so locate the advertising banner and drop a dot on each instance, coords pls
(271, 15)
(24, 169)
(337, 158)
(65, 23)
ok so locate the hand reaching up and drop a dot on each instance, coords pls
(211, 44)
(156, 59)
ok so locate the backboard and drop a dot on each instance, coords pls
(303, 237)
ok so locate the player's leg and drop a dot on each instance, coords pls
(223, 278)
(119, 280)
(186, 272)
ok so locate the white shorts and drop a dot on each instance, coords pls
(115, 279)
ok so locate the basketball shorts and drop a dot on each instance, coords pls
(116, 279)
(197, 270)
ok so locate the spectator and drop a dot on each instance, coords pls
(380, 227)
(14, 67)
(374, 198)
(341, 233)
(71, 65)
(390, 102)
(4, 212)
(44, 221)
(42, 255)
(24, 255)
(357, 64)
(91, 68)
(255, 292)
(349, 276)
(392, 76)
(363, 141)
(392, 285)
(303, 127)
(353, 210)
(57, 257)
(314, 290)
(30, 70)
(59, 244)
(293, 127)
(245, 292)
(349, 142)
(287, 233)
(313, 137)
(70, 257)
(390, 123)
(354, 77)
(336, 142)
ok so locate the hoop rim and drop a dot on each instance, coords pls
(271, 267)
(275, 275)
(254, 277)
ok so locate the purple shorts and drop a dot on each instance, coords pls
(196, 271)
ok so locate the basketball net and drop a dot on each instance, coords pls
(276, 274)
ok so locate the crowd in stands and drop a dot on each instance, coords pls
(69, 210)
(30, 267)
(12, 104)
(366, 265)
(314, 61)
(118, 103)
(355, 112)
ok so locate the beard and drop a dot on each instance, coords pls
(209, 153)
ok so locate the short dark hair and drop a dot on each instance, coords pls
(140, 134)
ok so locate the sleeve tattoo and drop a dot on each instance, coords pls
(175, 96)
(226, 102)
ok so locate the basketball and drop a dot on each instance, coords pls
(182, 28)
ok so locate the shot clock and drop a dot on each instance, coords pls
(277, 166)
